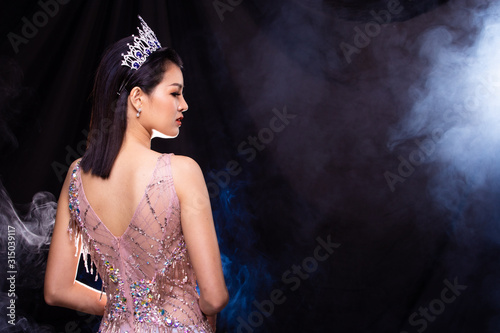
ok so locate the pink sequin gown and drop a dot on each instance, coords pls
(146, 273)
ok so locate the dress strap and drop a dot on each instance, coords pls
(74, 225)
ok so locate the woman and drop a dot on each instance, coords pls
(143, 217)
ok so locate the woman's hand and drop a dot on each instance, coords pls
(61, 288)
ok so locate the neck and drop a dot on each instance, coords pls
(136, 137)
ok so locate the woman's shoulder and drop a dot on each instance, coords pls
(185, 171)
(182, 162)
(73, 167)
(74, 164)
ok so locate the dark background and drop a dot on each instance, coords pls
(390, 151)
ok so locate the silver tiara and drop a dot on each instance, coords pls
(144, 44)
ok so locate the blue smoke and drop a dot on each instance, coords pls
(245, 271)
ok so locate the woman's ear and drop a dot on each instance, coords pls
(135, 96)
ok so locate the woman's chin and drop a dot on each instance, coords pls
(158, 134)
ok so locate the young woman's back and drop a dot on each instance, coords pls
(116, 199)
(145, 269)
(125, 203)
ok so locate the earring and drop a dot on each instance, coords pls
(139, 110)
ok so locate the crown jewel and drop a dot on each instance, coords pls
(144, 44)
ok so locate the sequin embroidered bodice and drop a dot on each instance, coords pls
(146, 272)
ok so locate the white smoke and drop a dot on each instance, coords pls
(24, 243)
(458, 106)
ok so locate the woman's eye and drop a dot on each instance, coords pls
(175, 94)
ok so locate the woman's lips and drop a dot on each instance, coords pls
(179, 121)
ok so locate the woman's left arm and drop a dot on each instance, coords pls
(61, 288)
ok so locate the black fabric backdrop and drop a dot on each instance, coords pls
(332, 211)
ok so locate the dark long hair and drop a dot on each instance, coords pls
(113, 83)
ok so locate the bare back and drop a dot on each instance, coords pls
(115, 200)
(147, 272)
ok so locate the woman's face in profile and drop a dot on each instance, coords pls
(166, 103)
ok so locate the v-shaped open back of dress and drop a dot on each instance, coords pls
(146, 272)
